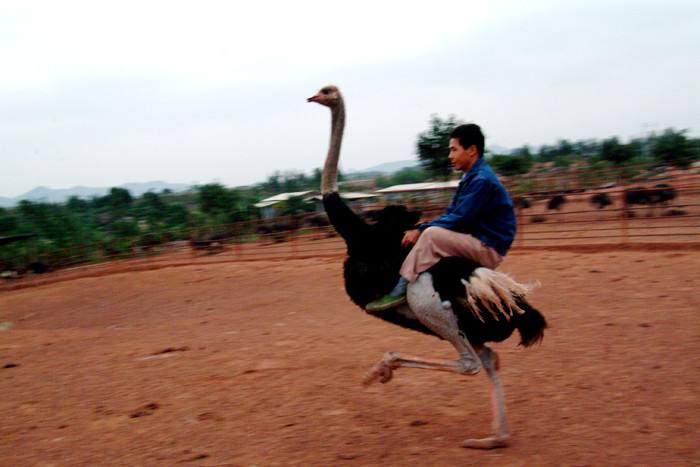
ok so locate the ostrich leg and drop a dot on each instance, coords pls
(393, 360)
(466, 365)
(425, 306)
(489, 359)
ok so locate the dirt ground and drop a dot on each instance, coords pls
(260, 363)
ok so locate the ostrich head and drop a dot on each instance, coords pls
(327, 95)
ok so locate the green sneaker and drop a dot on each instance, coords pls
(386, 302)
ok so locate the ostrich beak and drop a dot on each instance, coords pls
(313, 98)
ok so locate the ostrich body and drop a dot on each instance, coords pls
(660, 194)
(601, 200)
(456, 300)
(556, 202)
(522, 202)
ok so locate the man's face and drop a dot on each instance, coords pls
(462, 158)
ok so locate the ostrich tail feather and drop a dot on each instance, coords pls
(497, 292)
(499, 295)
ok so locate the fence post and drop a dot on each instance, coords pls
(520, 232)
(293, 235)
(238, 240)
(625, 219)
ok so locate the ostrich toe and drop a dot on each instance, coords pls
(381, 371)
(492, 442)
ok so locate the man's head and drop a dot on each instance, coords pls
(466, 146)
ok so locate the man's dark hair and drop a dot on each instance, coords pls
(469, 134)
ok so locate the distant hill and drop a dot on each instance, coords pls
(387, 167)
(60, 195)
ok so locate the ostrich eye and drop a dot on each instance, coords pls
(325, 91)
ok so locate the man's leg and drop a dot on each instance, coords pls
(396, 297)
(433, 244)
(436, 243)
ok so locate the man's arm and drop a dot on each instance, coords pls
(410, 237)
(469, 205)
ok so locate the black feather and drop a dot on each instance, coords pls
(372, 268)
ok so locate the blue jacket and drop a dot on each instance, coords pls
(481, 207)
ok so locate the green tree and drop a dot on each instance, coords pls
(273, 184)
(519, 162)
(433, 144)
(295, 181)
(152, 208)
(410, 175)
(8, 222)
(673, 147)
(585, 148)
(53, 222)
(292, 181)
(547, 153)
(296, 205)
(316, 178)
(562, 161)
(617, 153)
(564, 148)
(510, 165)
(401, 177)
(120, 201)
(176, 215)
(114, 205)
(214, 199)
(76, 204)
(124, 228)
(245, 198)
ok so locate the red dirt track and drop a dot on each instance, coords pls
(260, 363)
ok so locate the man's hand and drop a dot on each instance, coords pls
(410, 237)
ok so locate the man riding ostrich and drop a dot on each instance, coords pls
(450, 294)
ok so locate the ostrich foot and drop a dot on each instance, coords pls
(492, 442)
(382, 371)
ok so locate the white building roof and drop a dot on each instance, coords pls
(351, 195)
(282, 197)
(420, 187)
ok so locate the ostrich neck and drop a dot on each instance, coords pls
(329, 178)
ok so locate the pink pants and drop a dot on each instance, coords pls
(436, 243)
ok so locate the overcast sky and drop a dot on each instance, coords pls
(102, 93)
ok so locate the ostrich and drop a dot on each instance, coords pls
(660, 194)
(556, 202)
(456, 300)
(522, 202)
(601, 200)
